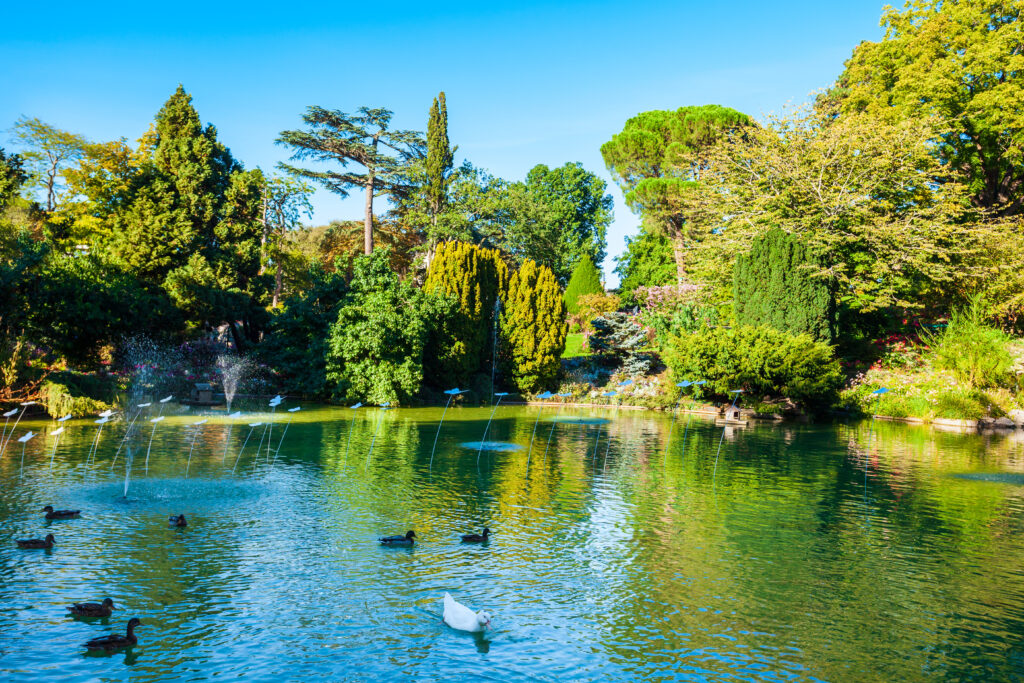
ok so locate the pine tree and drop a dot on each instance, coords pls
(533, 327)
(772, 285)
(474, 277)
(440, 157)
(586, 279)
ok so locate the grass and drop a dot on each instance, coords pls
(574, 345)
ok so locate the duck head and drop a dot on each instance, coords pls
(410, 535)
(487, 532)
(48, 508)
(133, 622)
(483, 617)
(108, 603)
(49, 538)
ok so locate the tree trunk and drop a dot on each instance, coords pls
(277, 284)
(368, 221)
(266, 235)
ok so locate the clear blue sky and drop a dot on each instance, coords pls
(526, 82)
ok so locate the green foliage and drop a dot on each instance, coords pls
(959, 64)
(12, 177)
(474, 278)
(375, 348)
(975, 353)
(361, 138)
(440, 157)
(533, 327)
(617, 337)
(647, 262)
(586, 279)
(773, 285)
(295, 344)
(59, 400)
(763, 361)
(580, 212)
(591, 306)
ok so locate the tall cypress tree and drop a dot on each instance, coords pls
(586, 279)
(533, 327)
(439, 157)
(475, 277)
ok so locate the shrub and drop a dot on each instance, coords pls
(619, 338)
(58, 400)
(295, 345)
(774, 284)
(591, 306)
(975, 353)
(533, 327)
(586, 279)
(375, 348)
(474, 278)
(763, 361)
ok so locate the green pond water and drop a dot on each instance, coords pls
(844, 552)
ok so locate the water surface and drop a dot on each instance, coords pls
(829, 552)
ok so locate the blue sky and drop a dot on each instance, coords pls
(526, 82)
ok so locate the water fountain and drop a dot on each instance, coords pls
(189, 464)
(227, 441)
(7, 418)
(543, 397)
(351, 426)
(24, 442)
(252, 426)
(57, 432)
(483, 439)
(736, 395)
(104, 419)
(156, 420)
(554, 423)
(287, 424)
(274, 403)
(593, 460)
(383, 407)
(452, 393)
(24, 407)
(128, 432)
(232, 370)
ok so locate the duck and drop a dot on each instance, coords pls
(462, 618)
(476, 538)
(116, 641)
(60, 514)
(399, 540)
(37, 542)
(92, 609)
(177, 520)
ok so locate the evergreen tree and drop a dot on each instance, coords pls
(647, 262)
(586, 279)
(475, 278)
(343, 138)
(774, 284)
(533, 327)
(440, 157)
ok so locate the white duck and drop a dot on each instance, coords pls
(460, 617)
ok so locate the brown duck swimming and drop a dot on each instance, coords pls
(176, 520)
(115, 641)
(36, 542)
(476, 538)
(408, 539)
(60, 514)
(92, 609)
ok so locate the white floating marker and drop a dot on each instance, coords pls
(26, 437)
(102, 421)
(145, 405)
(455, 392)
(295, 409)
(235, 416)
(358, 405)
(201, 422)
(502, 393)
(28, 403)
(255, 424)
(65, 418)
(57, 432)
(106, 413)
(157, 419)
(165, 400)
(11, 412)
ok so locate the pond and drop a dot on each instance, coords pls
(841, 552)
